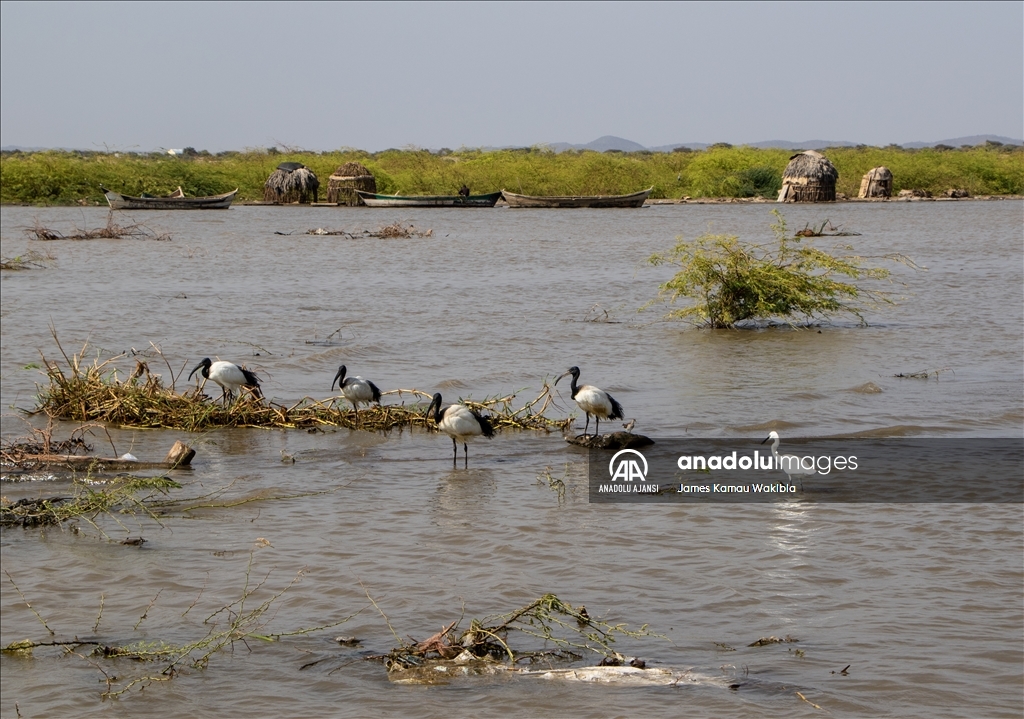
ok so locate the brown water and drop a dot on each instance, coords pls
(924, 602)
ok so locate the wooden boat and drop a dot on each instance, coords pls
(174, 201)
(635, 200)
(374, 200)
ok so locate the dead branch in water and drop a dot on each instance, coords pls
(544, 622)
(112, 231)
(232, 622)
(825, 229)
(923, 374)
(31, 260)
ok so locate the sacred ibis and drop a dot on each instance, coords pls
(229, 376)
(356, 389)
(592, 400)
(460, 423)
(788, 463)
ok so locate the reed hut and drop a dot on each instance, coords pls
(291, 182)
(809, 177)
(342, 185)
(877, 183)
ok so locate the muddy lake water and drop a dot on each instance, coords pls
(923, 602)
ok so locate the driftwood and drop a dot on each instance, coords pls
(179, 457)
(615, 440)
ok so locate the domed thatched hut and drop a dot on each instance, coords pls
(809, 177)
(342, 185)
(877, 183)
(291, 182)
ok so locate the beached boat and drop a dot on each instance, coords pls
(635, 200)
(174, 201)
(374, 200)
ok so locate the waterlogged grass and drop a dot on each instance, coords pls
(67, 178)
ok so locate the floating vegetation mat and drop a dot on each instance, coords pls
(87, 502)
(95, 393)
(546, 630)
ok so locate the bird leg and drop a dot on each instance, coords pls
(455, 447)
(587, 426)
(597, 426)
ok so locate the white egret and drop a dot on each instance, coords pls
(788, 463)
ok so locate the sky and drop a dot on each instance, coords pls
(322, 76)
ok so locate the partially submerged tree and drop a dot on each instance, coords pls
(732, 282)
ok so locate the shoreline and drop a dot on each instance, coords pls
(648, 203)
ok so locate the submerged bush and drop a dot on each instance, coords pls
(732, 281)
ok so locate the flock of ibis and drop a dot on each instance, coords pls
(457, 421)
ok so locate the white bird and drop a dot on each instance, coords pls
(356, 389)
(460, 423)
(229, 376)
(788, 463)
(593, 401)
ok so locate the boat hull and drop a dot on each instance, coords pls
(371, 199)
(117, 201)
(636, 199)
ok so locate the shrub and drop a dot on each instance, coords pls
(732, 281)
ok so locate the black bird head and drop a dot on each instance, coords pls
(205, 365)
(435, 406)
(339, 378)
(574, 371)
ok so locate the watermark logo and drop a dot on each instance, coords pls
(627, 468)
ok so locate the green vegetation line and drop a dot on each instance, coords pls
(70, 178)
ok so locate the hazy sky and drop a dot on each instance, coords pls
(372, 76)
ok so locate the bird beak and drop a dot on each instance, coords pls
(336, 378)
(561, 376)
(198, 366)
(433, 401)
(766, 439)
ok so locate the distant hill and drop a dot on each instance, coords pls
(610, 142)
(969, 140)
(601, 144)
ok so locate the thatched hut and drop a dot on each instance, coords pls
(809, 177)
(342, 185)
(291, 182)
(877, 183)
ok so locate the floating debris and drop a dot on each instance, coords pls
(31, 260)
(615, 440)
(394, 230)
(487, 647)
(765, 641)
(112, 231)
(923, 374)
(87, 503)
